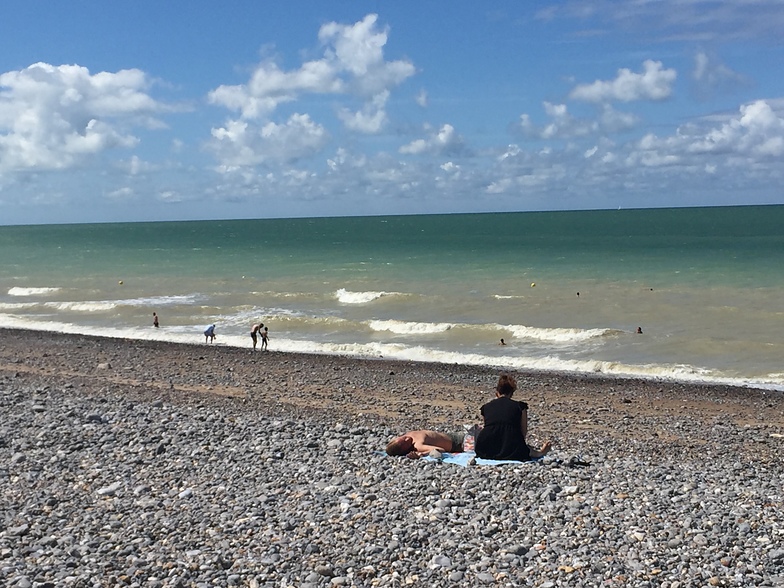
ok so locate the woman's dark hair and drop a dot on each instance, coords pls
(506, 385)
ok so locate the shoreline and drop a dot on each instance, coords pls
(584, 367)
(391, 393)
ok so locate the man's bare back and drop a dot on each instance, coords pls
(419, 443)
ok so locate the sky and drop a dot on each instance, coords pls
(181, 110)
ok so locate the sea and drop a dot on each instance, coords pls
(566, 291)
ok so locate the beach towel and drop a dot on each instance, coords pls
(465, 459)
(468, 458)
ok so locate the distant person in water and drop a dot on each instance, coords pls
(254, 333)
(209, 334)
(639, 330)
(416, 444)
(502, 342)
(503, 436)
(155, 320)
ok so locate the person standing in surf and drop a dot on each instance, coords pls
(254, 333)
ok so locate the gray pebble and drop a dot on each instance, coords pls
(227, 494)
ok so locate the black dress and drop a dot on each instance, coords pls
(502, 438)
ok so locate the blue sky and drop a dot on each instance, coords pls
(129, 111)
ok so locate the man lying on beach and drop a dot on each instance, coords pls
(415, 444)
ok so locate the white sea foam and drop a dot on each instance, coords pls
(19, 291)
(193, 334)
(12, 306)
(347, 297)
(106, 305)
(559, 335)
(163, 300)
(409, 328)
(83, 306)
(285, 295)
(248, 315)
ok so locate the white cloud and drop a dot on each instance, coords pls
(239, 144)
(748, 139)
(444, 141)
(415, 147)
(563, 125)
(706, 159)
(511, 151)
(614, 121)
(344, 160)
(358, 50)
(125, 193)
(171, 196)
(654, 83)
(52, 117)
(134, 165)
(371, 119)
(758, 130)
(422, 98)
(710, 75)
(352, 65)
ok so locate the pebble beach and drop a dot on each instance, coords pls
(143, 463)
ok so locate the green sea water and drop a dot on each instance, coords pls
(565, 290)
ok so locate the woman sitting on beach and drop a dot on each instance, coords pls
(506, 427)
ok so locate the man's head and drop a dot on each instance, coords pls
(506, 385)
(400, 445)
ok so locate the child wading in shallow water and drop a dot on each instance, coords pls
(506, 427)
(264, 336)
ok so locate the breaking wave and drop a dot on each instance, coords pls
(19, 291)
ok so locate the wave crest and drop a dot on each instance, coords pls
(560, 335)
(19, 291)
(86, 306)
(409, 328)
(347, 297)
